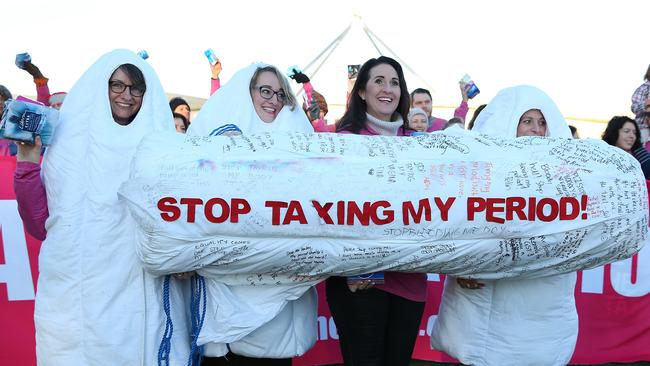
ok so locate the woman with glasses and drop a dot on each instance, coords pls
(258, 99)
(95, 305)
(377, 322)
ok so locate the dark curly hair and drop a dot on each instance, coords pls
(354, 119)
(610, 135)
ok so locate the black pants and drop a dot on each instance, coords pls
(375, 328)
(232, 359)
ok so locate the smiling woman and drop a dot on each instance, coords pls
(258, 99)
(532, 123)
(270, 93)
(623, 132)
(125, 105)
(377, 321)
(80, 300)
(379, 100)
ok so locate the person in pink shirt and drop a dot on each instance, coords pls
(315, 106)
(421, 98)
(29, 189)
(42, 89)
(377, 323)
(316, 113)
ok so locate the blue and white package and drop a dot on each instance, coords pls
(23, 120)
(470, 87)
(212, 58)
(21, 58)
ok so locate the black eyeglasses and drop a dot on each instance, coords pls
(267, 93)
(119, 88)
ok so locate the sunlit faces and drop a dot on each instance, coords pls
(183, 110)
(124, 105)
(381, 92)
(267, 84)
(422, 101)
(419, 123)
(532, 123)
(626, 136)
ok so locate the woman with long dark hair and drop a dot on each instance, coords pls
(623, 132)
(377, 322)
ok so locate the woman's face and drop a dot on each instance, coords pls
(626, 136)
(183, 110)
(268, 86)
(180, 126)
(532, 123)
(124, 105)
(419, 123)
(382, 92)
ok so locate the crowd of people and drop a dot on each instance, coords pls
(119, 99)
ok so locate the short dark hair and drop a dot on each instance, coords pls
(420, 91)
(354, 119)
(178, 101)
(610, 135)
(647, 74)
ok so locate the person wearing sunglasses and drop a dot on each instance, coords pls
(95, 304)
(257, 99)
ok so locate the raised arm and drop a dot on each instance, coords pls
(29, 189)
(215, 83)
(463, 108)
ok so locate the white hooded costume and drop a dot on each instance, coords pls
(284, 328)
(511, 321)
(95, 305)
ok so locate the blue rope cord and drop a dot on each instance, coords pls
(166, 342)
(198, 316)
